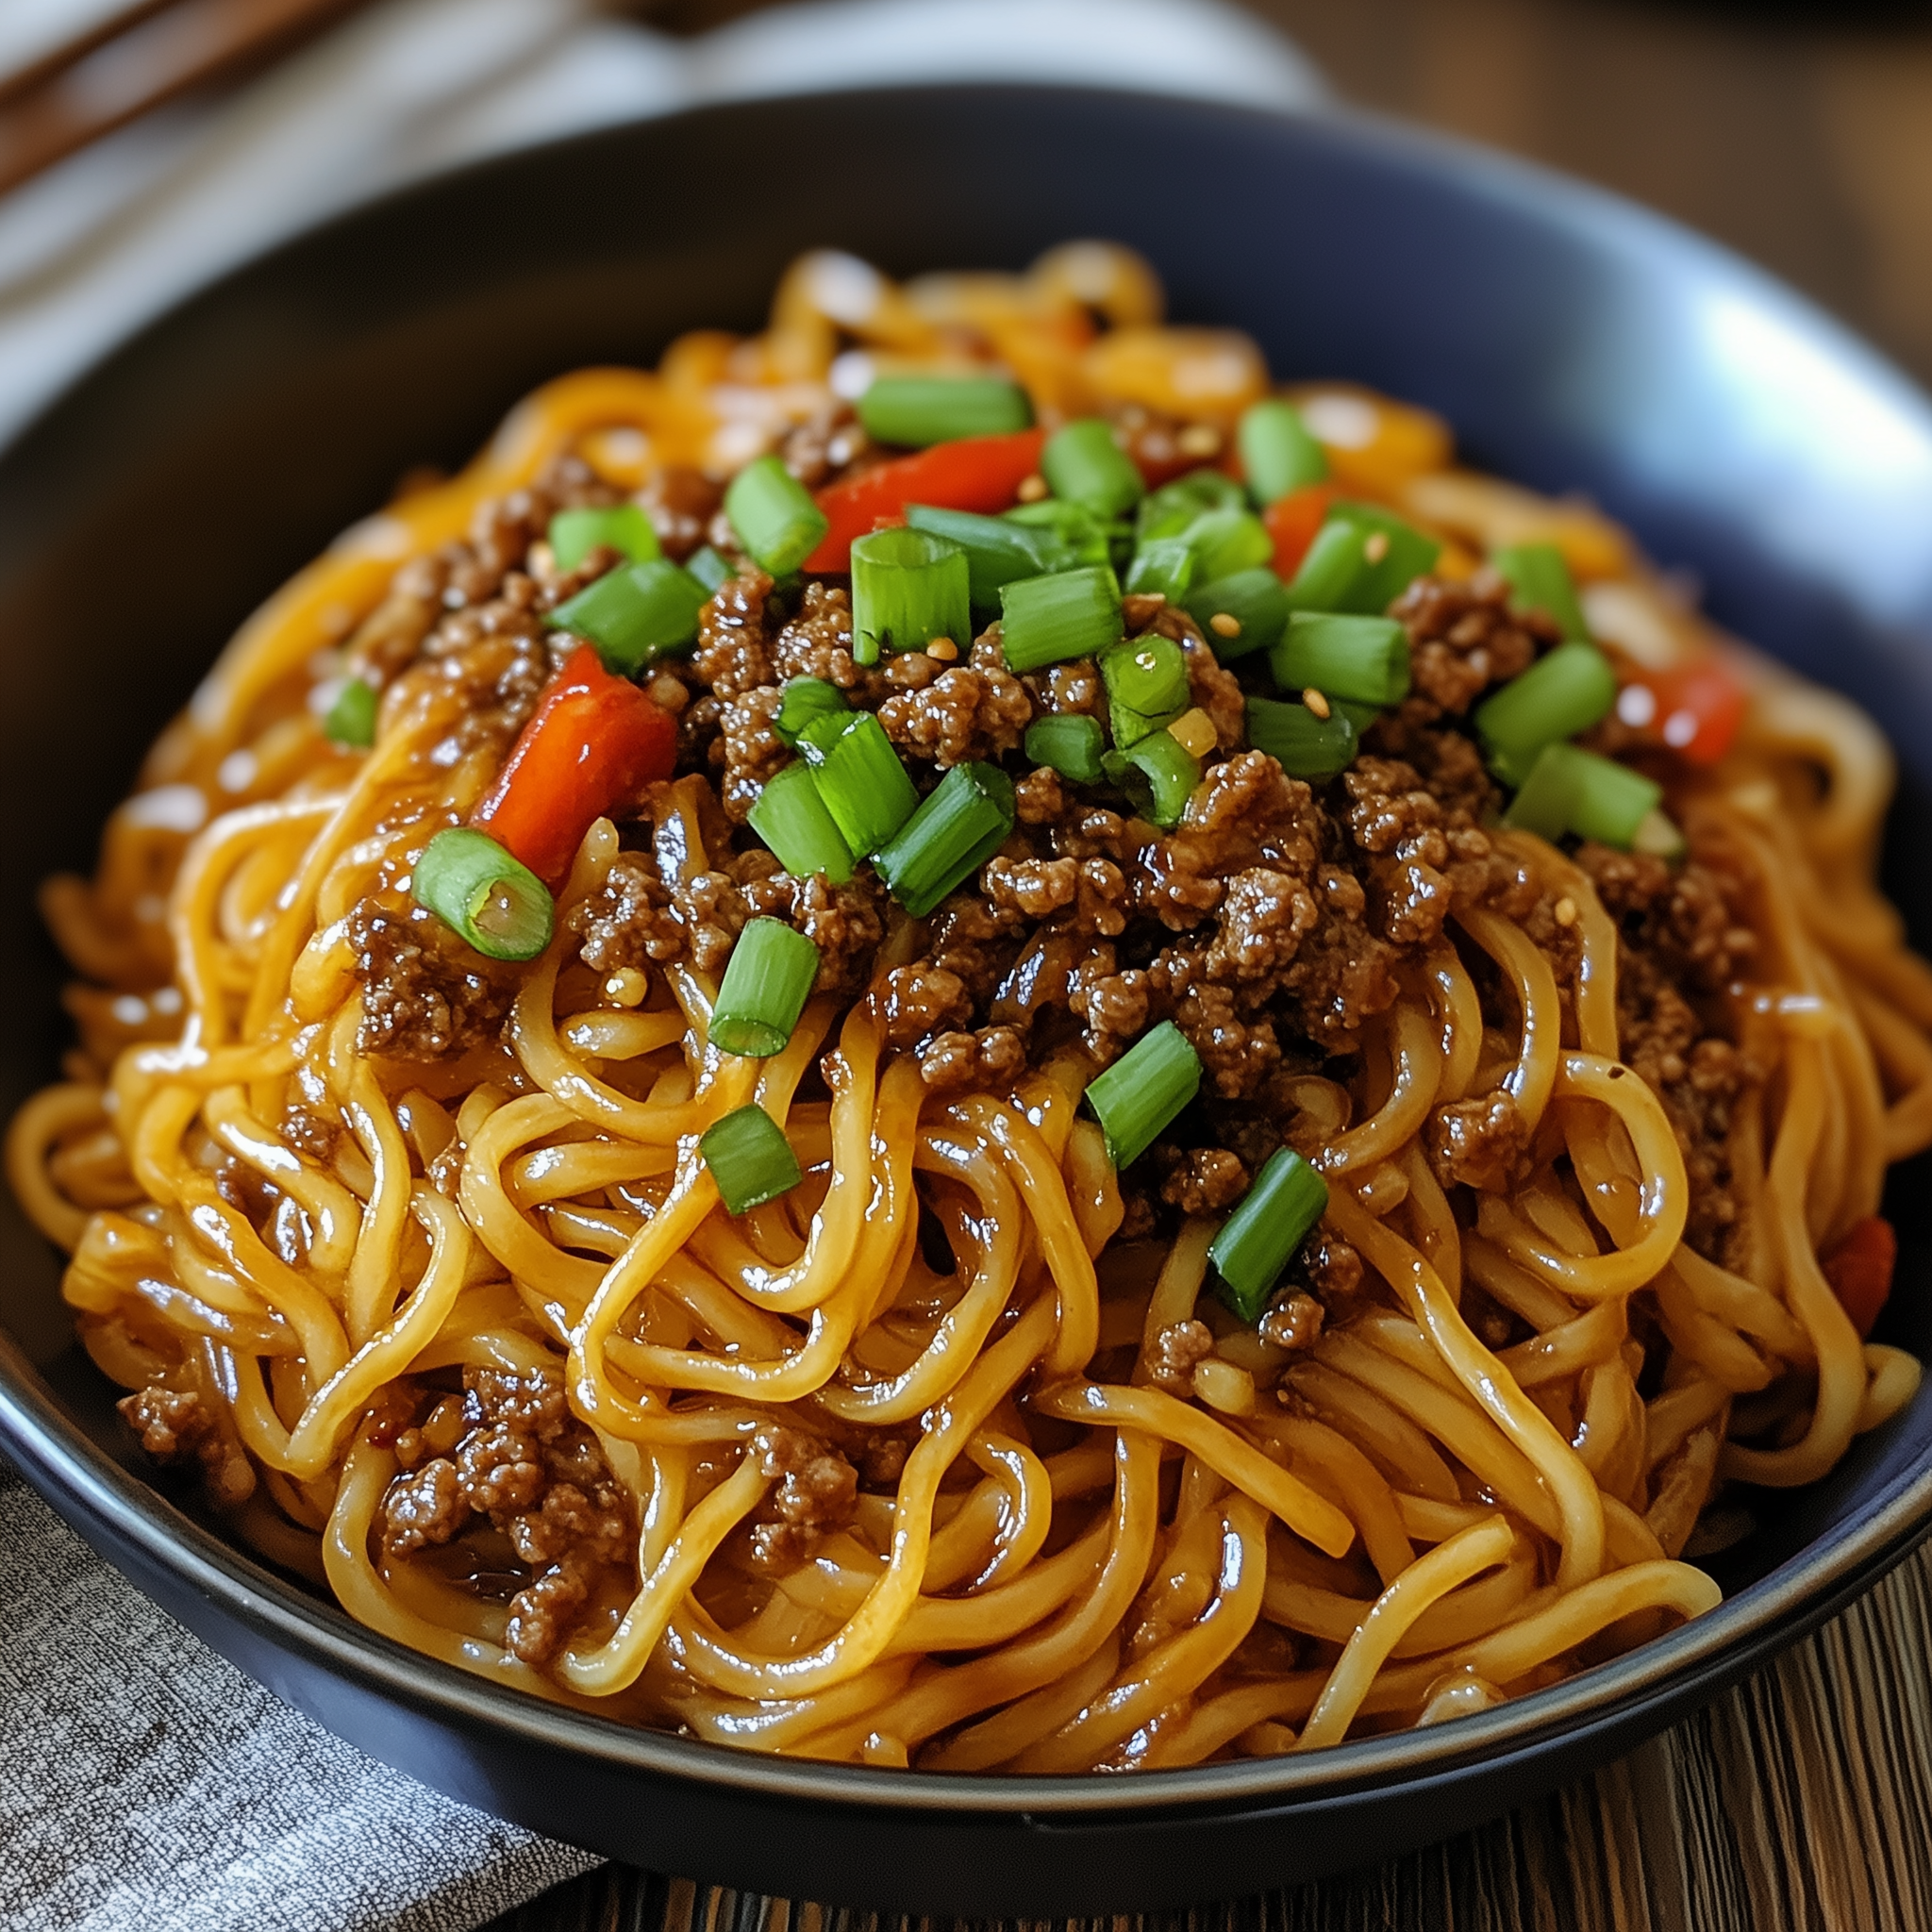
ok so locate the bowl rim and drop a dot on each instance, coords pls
(77, 1478)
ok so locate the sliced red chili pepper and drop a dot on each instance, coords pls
(594, 740)
(1695, 708)
(1292, 521)
(981, 474)
(1859, 1269)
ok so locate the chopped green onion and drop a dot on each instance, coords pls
(802, 702)
(775, 517)
(1257, 602)
(1072, 743)
(1137, 1098)
(711, 568)
(623, 527)
(791, 819)
(1227, 540)
(1260, 1239)
(1074, 613)
(497, 906)
(1571, 789)
(1363, 558)
(1304, 745)
(1364, 659)
(767, 981)
(908, 587)
(1169, 510)
(750, 1158)
(998, 551)
(351, 720)
(864, 786)
(1563, 692)
(955, 831)
(1083, 464)
(1542, 580)
(1277, 451)
(637, 614)
(920, 411)
(1158, 774)
(1070, 535)
(1166, 565)
(1360, 716)
(1148, 674)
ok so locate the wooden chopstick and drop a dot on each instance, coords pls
(146, 53)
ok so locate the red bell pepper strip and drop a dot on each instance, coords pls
(1293, 521)
(1859, 1269)
(1695, 708)
(981, 474)
(594, 740)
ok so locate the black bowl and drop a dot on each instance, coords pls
(1573, 341)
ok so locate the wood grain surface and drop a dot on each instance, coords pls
(1802, 136)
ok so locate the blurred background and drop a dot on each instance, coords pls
(1801, 134)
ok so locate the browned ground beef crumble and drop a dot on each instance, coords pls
(1269, 927)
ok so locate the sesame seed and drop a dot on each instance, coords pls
(1032, 489)
(944, 649)
(1566, 911)
(1316, 702)
(1223, 624)
(1199, 440)
(1377, 548)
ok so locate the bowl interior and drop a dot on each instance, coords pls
(1573, 343)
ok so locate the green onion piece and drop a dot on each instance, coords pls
(498, 907)
(775, 517)
(1563, 692)
(1149, 674)
(711, 568)
(1166, 565)
(920, 411)
(1069, 534)
(766, 984)
(955, 831)
(1227, 540)
(1364, 659)
(791, 819)
(1072, 743)
(1260, 1239)
(1571, 789)
(1257, 602)
(1360, 716)
(1304, 745)
(802, 702)
(1542, 580)
(1135, 1098)
(1083, 464)
(750, 1158)
(1329, 574)
(1363, 558)
(1169, 510)
(1074, 613)
(1277, 451)
(351, 720)
(908, 587)
(1158, 774)
(637, 614)
(998, 551)
(623, 527)
(864, 786)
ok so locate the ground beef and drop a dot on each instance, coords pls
(524, 1465)
(732, 655)
(680, 503)
(175, 1426)
(1293, 1321)
(1479, 1143)
(425, 994)
(1463, 636)
(816, 1490)
(830, 444)
(817, 642)
(751, 750)
(962, 714)
(1203, 1180)
(1174, 1353)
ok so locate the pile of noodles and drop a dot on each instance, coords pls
(1070, 1572)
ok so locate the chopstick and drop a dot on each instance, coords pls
(146, 53)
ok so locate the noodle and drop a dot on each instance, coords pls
(951, 1450)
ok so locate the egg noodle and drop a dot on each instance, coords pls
(1074, 1567)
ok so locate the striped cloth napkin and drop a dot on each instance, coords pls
(149, 1786)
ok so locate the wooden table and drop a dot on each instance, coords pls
(1802, 1799)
